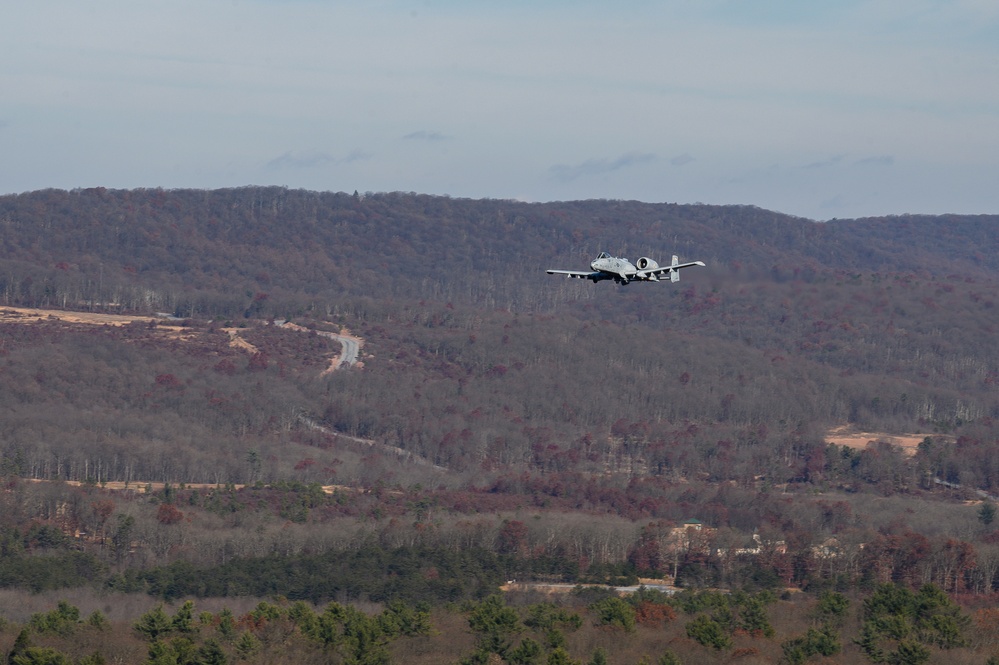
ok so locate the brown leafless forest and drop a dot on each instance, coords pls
(177, 445)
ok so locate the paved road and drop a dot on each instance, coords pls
(955, 486)
(351, 346)
(350, 349)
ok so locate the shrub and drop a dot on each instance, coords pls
(708, 632)
(615, 612)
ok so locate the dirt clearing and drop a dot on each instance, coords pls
(846, 436)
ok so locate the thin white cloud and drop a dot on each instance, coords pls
(877, 160)
(825, 163)
(297, 160)
(424, 135)
(312, 159)
(593, 167)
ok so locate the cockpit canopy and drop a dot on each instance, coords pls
(604, 255)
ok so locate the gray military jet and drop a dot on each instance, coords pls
(623, 271)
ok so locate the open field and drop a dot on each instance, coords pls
(22, 314)
(163, 326)
(167, 327)
(146, 487)
(844, 436)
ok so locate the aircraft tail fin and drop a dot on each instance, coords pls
(674, 274)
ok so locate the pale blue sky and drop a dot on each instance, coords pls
(819, 109)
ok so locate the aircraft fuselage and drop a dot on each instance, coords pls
(622, 268)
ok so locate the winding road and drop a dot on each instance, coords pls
(350, 346)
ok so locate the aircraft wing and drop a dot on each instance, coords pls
(673, 270)
(593, 276)
(665, 269)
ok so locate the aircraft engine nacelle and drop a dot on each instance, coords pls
(646, 263)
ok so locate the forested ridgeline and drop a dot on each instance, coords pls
(206, 254)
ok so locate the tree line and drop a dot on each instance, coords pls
(888, 623)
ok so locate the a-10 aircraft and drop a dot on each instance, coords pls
(624, 271)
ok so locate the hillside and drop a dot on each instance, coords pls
(478, 358)
(501, 424)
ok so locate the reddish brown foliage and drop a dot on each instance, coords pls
(167, 513)
(654, 615)
(167, 381)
